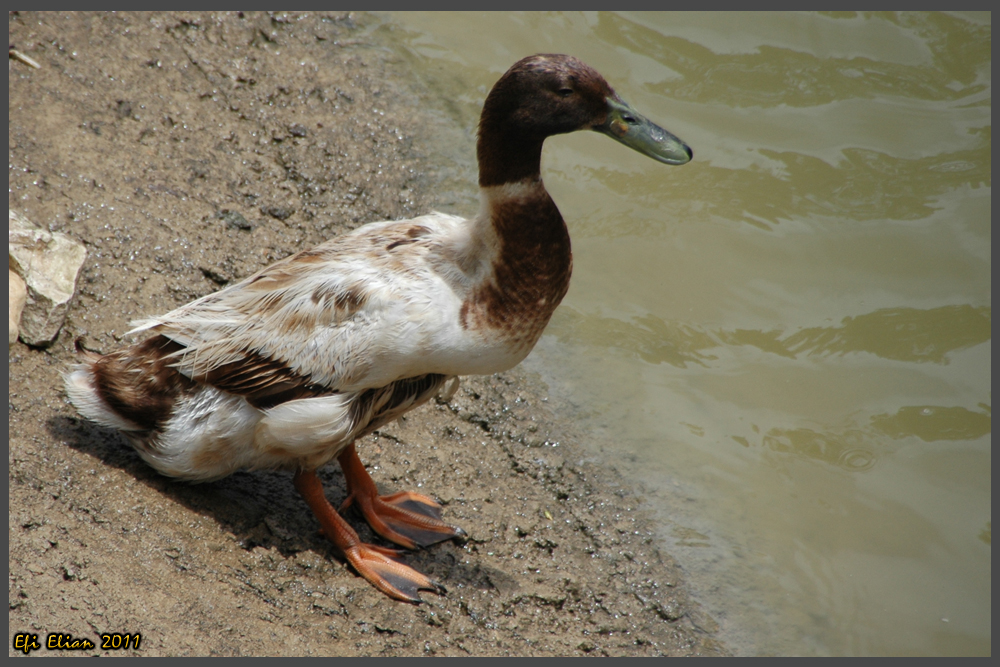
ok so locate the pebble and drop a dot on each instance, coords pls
(18, 293)
(49, 264)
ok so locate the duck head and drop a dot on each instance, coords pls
(548, 94)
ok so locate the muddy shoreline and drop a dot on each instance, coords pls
(187, 151)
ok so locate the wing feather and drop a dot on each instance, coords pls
(358, 311)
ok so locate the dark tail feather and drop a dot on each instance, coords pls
(91, 355)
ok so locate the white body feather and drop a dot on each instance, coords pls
(409, 324)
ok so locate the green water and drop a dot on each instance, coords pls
(785, 343)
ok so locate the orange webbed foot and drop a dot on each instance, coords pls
(390, 576)
(409, 519)
(379, 565)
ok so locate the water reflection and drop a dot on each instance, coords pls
(859, 449)
(850, 450)
(900, 334)
(863, 184)
(938, 57)
(648, 337)
(933, 422)
(689, 537)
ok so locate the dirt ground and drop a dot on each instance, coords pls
(188, 151)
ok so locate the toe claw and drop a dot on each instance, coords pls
(411, 520)
(390, 576)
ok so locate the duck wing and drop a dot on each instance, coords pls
(359, 311)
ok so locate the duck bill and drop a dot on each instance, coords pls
(637, 132)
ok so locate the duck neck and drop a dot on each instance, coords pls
(531, 260)
(516, 204)
(531, 264)
(506, 153)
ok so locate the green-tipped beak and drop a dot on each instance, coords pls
(624, 124)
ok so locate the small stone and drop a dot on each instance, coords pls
(48, 263)
(669, 611)
(18, 293)
(279, 212)
(544, 595)
(234, 220)
(124, 109)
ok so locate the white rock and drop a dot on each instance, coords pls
(18, 294)
(49, 264)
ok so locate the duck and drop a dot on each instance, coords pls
(292, 366)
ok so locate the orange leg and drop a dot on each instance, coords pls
(409, 519)
(375, 564)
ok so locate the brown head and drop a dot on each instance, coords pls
(548, 94)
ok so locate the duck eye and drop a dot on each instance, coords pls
(564, 92)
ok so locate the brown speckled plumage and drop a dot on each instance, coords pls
(140, 384)
(531, 271)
